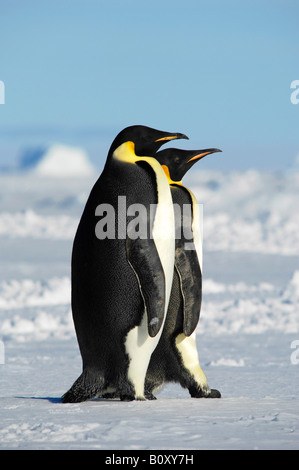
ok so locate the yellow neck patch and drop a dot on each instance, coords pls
(170, 181)
(126, 152)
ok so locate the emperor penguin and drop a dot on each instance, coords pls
(121, 279)
(175, 359)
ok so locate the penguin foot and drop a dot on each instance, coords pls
(131, 398)
(150, 396)
(127, 397)
(214, 394)
(197, 392)
(89, 385)
(109, 396)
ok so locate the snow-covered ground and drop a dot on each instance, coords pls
(248, 334)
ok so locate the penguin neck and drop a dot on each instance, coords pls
(125, 152)
(170, 181)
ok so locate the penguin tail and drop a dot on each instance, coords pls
(89, 385)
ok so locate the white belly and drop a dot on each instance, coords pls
(139, 345)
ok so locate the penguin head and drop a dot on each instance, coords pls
(146, 140)
(176, 162)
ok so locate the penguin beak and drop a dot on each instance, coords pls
(203, 153)
(172, 137)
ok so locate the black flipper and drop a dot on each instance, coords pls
(186, 261)
(143, 257)
(191, 287)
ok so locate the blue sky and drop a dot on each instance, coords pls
(220, 71)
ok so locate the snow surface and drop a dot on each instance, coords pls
(248, 333)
